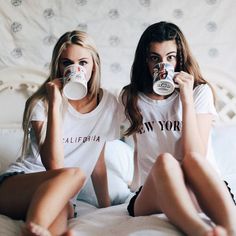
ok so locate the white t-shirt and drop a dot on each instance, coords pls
(84, 135)
(162, 127)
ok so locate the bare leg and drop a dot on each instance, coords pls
(210, 191)
(58, 227)
(32, 229)
(37, 230)
(164, 185)
(69, 233)
(217, 231)
(60, 224)
(41, 196)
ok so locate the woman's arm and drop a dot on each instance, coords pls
(51, 150)
(196, 127)
(196, 130)
(136, 177)
(99, 179)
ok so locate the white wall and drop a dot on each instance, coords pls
(30, 28)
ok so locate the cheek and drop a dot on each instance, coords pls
(89, 71)
(150, 68)
(60, 70)
(175, 65)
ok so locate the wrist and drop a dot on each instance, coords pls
(54, 105)
(105, 203)
(188, 101)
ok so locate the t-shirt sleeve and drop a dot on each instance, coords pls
(114, 116)
(204, 100)
(38, 112)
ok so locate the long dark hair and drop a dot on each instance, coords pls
(141, 79)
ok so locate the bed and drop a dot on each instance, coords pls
(16, 84)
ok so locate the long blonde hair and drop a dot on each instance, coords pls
(73, 37)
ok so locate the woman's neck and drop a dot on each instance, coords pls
(155, 96)
(85, 105)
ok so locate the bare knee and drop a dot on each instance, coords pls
(73, 175)
(193, 160)
(165, 164)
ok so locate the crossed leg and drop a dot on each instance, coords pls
(41, 199)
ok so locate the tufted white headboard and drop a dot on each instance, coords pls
(16, 85)
(225, 89)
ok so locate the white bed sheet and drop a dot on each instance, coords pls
(113, 220)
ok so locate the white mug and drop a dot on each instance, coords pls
(163, 75)
(75, 82)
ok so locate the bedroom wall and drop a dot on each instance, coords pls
(30, 28)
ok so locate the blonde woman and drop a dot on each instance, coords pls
(64, 137)
(172, 138)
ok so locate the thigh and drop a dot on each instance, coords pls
(146, 202)
(17, 191)
(161, 186)
(194, 199)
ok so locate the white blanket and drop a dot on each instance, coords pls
(114, 221)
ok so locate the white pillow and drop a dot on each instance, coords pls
(224, 147)
(10, 146)
(118, 156)
(119, 162)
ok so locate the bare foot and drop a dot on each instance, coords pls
(33, 229)
(217, 231)
(232, 232)
(69, 233)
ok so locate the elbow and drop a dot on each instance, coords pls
(99, 170)
(52, 165)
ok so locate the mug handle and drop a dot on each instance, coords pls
(176, 85)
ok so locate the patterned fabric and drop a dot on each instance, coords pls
(29, 29)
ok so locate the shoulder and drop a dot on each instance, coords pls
(115, 105)
(203, 90)
(39, 110)
(109, 96)
(108, 93)
(109, 99)
(39, 105)
(204, 99)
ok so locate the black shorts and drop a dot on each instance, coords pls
(9, 174)
(232, 195)
(130, 207)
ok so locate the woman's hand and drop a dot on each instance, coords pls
(52, 150)
(54, 91)
(185, 82)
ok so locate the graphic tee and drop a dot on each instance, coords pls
(84, 135)
(162, 127)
